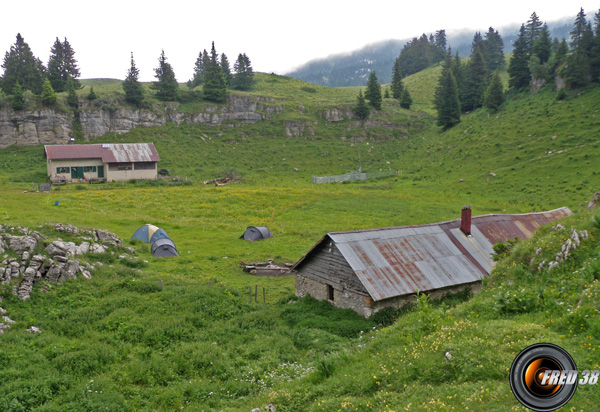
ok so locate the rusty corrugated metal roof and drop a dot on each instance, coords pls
(396, 261)
(108, 152)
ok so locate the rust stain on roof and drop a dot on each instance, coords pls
(396, 261)
(108, 152)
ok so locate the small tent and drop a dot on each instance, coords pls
(256, 233)
(164, 248)
(150, 234)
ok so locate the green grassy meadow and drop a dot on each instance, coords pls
(182, 333)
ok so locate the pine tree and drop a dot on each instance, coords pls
(595, 56)
(542, 47)
(494, 96)
(243, 79)
(476, 81)
(62, 66)
(21, 66)
(532, 29)
(17, 102)
(214, 88)
(440, 44)
(397, 85)
(226, 68)
(373, 91)
(92, 94)
(72, 99)
(134, 93)
(361, 109)
(55, 67)
(166, 86)
(48, 94)
(446, 99)
(386, 93)
(518, 68)
(493, 46)
(405, 99)
(201, 62)
(577, 70)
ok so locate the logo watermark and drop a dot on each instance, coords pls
(544, 377)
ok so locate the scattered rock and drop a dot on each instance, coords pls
(595, 202)
(7, 319)
(21, 244)
(34, 329)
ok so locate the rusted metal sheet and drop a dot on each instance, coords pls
(129, 152)
(109, 153)
(397, 261)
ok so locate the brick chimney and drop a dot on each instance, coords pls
(465, 220)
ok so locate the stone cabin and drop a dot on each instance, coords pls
(108, 162)
(368, 270)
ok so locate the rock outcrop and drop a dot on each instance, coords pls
(56, 262)
(47, 126)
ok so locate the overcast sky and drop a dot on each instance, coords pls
(276, 35)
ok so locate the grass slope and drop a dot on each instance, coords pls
(127, 344)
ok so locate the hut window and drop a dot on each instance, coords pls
(113, 167)
(89, 168)
(144, 165)
(329, 292)
(63, 170)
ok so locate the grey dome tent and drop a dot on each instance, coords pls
(164, 248)
(256, 233)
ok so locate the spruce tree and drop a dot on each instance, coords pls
(134, 93)
(72, 99)
(92, 94)
(532, 30)
(577, 69)
(214, 88)
(55, 67)
(70, 68)
(21, 66)
(595, 56)
(476, 81)
(446, 99)
(493, 46)
(243, 78)
(373, 91)
(226, 68)
(361, 109)
(166, 86)
(542, 47)
(405, 99)
(494, 96)
(17, 101)
(201, 62)
(48, 94)
(518, 68)
(397, 85)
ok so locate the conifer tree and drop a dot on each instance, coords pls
(48, 94)
(578, 66)
(226, 68)
(386, 93)
(92, 94)
(201, 63)
(446, 99)
(214, 88)
(532, 29)
(134, 93)
(243, 79)
(62, 66)
(361, 109)
(595, 56)
(373, 91)
(72, 99)
(21, 66)
(493, 46)
(476, 81)
(17, 102)
(518, 68)
(405, 99)
(166, 86)
(494, 96)
(397, 85)
(542, 47)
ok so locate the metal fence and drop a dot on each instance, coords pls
(352, 176)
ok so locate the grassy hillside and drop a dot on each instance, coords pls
(124, 343)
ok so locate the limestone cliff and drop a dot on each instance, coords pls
(48, 126)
